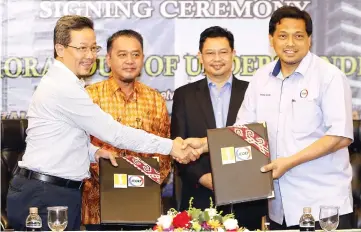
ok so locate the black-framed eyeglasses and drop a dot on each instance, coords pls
(84, 49)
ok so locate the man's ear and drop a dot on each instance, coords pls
(107, 58)
(270, 39)
(200, 57)
(59, 49)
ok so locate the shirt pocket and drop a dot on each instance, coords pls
(306, 116)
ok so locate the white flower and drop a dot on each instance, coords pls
(230, 224)
(245, 230)
(211, 212)
(220, 229)
(165, 221)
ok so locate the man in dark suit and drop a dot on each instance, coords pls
(212, 102)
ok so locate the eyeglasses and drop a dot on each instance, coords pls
(83, 49)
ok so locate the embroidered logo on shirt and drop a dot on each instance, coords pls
(304, 93)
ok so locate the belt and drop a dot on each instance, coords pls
(51, 179)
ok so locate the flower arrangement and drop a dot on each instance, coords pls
(197, 220)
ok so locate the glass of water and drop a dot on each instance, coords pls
(57, 218)
(329, 217)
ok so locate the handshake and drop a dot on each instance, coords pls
(184, 151)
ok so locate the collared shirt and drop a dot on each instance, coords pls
(61, 117)
(312, 102)
(220, 101)
(144, 109)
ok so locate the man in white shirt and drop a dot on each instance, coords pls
(61, 117)
(307, 105)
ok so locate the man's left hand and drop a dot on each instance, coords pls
(102, 153)
(278, 167)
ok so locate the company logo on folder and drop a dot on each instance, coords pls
(120, 181)
(243, 153)
(135, 180)
(228, 155)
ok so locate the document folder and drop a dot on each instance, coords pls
(128, 196)
(237, 154)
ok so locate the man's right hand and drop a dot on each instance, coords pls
(199, 144)
(183, 154)
(206, 181)
(106, 154)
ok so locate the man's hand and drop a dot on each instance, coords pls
(183, 155)
(278, 167)
(206, 181)
(102, 153)
(199, 144)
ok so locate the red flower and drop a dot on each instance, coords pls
(182, 220)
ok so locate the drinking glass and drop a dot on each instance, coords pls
(329, 217)
(57, 218)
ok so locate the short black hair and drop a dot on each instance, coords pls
(289, 12)
(65, 25)
(127, 33)
(214, 32)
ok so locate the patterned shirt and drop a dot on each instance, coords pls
(144, 109)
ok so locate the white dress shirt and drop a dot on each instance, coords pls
(61, 117)
(313, 102)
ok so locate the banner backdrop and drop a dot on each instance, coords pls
(171, 32)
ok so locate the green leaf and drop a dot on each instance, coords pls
(218, 218)
(201, 218)
(206, 216)
(195, 213)
(231, 216)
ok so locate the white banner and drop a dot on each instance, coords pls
(171, 32)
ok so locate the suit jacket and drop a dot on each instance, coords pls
(192, 115)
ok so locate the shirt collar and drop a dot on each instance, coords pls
(228, 82)
(301, 69)
(70, 75)
(114, 87)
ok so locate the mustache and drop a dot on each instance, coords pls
(290, 48)
(88, 60)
